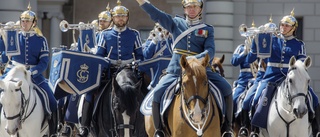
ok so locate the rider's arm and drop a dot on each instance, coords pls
(164, 19)
(252, 55)
(102, 49)
(138, 47)
(149, 50)
(43, 59)
(239, 55)
(302, 52)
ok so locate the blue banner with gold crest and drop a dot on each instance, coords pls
(264, 44)
(11, 42)
(87, 39)
(80, 72)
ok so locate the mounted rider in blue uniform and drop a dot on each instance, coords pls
(196, 40)
(245, 75)
(104, 23)
(157, 54)
(32, 51)
(283, 47)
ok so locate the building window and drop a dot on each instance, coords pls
(299, 32)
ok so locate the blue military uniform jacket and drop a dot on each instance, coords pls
(282, 51)
(157, 61)
(35, 56)
(239, 59)
(120, 44)
(197, 43)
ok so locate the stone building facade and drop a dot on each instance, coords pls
(224, 15)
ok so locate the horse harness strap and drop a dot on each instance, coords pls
(185, 118)
(287, 123)
(25, 102)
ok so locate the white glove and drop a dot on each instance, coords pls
(191, 57)
(141, 1)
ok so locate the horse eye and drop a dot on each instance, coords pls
(205, 83)
(290, 80)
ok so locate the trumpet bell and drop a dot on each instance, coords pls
(243, 30)
(64, 26)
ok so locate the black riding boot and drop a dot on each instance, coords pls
(157, 120)
(244, 132)
(227, 125)
(86, 118)
(254, 130)
(53, 123)
(316, 122)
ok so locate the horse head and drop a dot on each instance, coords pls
(297, 86)
(126, 99)
(194, 88)
(217, 65)
(15, 88)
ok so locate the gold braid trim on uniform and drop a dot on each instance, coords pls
(184, 52)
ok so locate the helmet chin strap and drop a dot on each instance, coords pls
(290, 33)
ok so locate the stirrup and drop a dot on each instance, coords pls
(318, 134)
(228, 132)
(244, 129)
(159, 133)
(254, 134)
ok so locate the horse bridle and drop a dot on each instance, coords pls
(24, 102)
(116, 125)
(207, 108)
(290, 98)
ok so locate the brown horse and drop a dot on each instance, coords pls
(194, 111)
(217, 65)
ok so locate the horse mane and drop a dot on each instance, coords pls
(197, 68)
(127, 90)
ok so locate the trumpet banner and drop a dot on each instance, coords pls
(264, 44)
(80, 71)
(87, 39)
(11, 42)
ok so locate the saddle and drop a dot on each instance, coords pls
(260, 117)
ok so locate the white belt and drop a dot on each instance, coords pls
(245, 70)
(14, 63)
(278, 65)
(120, 62)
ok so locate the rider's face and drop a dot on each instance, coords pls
(286, 29)
(26, 25)
(192, 11)
(103, 24)
(120, 21)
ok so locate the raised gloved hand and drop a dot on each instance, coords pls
(141, 1)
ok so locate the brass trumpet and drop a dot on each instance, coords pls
(10, 25)
(65, 26)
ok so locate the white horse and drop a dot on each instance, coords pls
(288, 113)
(22, 113)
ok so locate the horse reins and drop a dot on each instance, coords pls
(25, 103)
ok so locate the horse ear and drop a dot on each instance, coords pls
(292, 61)
(222, 59)
(18, 84)
(205, 61)
(307, 62)
(183, 61)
